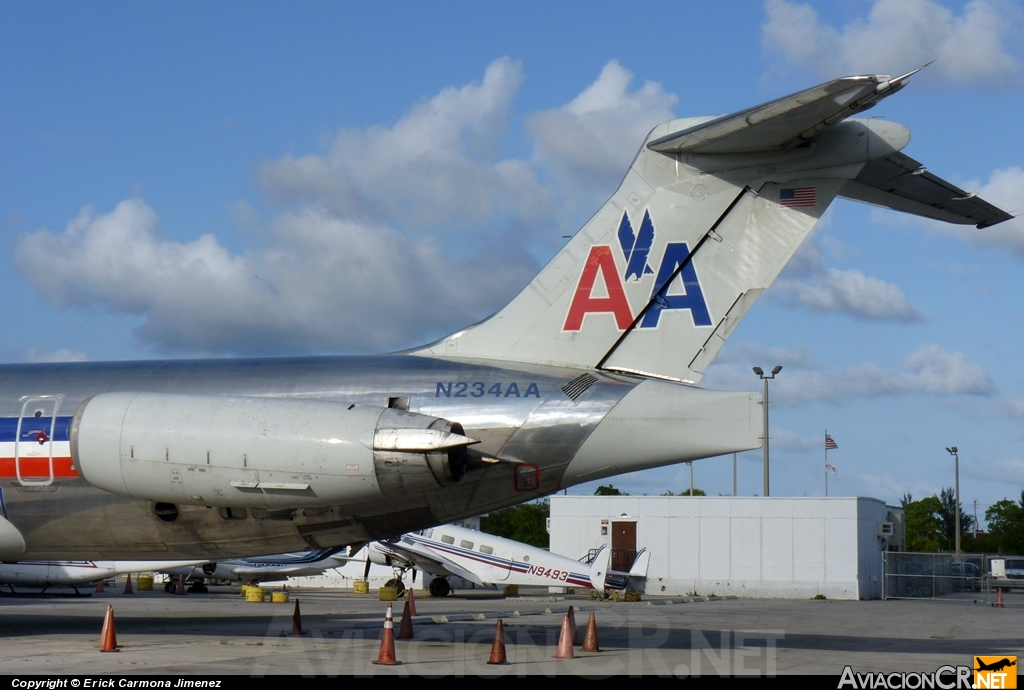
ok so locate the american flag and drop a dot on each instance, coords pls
(798, 196)
(830, 444)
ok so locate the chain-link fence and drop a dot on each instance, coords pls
(973, 577)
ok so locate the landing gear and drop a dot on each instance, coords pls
(439, 587)
(397, 584)
(171, 586)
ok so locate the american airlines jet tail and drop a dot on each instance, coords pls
(588, 373)
(707, 216)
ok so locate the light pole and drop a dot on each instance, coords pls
(956, 465)
(760, 372)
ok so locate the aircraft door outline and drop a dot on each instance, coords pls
(39, 404)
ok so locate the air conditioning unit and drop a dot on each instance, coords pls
(886, 529)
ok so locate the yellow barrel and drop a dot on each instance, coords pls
(387, 594)
(279, 597)
(361, 587)
(255, 594)
(145, 583)
(511, 590)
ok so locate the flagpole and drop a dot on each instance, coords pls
(826, 464)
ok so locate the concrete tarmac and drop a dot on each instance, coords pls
(220, 633)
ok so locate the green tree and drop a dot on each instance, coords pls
(947, 518)
(696, 492)
(526, 522)
(1006, 525)
(608, 490)
(924, 525)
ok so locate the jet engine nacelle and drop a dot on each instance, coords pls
(241, 452)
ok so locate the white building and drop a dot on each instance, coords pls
(725, 545)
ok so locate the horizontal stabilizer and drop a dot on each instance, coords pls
(901, 183)
(784, 123)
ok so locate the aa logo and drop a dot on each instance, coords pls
(676, 286)
(995, 672)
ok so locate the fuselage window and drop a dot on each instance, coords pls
(486, 549)
(466, 544)
(447, 539)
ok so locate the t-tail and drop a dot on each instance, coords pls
(707, 216)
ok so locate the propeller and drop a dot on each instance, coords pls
(366, 570)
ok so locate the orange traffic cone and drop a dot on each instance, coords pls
(572, 625)
(412, 601)
(565, 641)
(405, 630)
(181, 586)
(590, 638)
(999, 598)
(498, 646)
(99, 587)
(297, 621)
(128, 585)
(108, 637)
(386, 657)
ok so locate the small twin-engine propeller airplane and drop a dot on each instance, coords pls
(589, 372)
(491, 561)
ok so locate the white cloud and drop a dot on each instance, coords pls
(1007, 470)
(807, 283)
(753, 354)
(435, 166)
(897, 36)
(853, 293)
(36, 354)
(786, 440)
(591, 140)
(365, 250)
(929, 370)
(321, 283)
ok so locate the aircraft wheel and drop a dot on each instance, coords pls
(171, 586)
(397, 584)
(439, 587)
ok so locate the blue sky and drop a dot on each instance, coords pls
(226, 179)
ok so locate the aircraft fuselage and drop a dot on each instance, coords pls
(529, 430)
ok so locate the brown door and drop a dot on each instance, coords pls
(623, 545)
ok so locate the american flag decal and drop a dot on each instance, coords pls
(798, 196)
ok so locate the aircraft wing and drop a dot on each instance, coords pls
(784, 123)
(901, 183)
(435, 563)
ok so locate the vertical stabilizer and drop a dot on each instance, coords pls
(707, 216)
